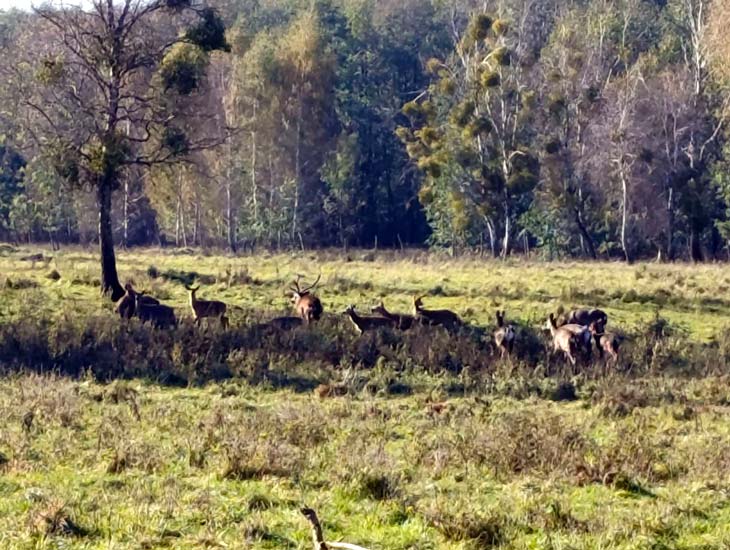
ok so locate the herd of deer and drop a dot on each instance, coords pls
(578, 330)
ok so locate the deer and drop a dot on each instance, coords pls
(605, 342)
(582, 335)
(402, 322)
(318, 536)
(435, 317)
(363, 324)
(567, 338)
(126, 306)
(305, 302)
(585, 317)
(206, 308)
(504, 336)
(159, 315)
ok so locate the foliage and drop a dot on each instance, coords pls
(589, 129)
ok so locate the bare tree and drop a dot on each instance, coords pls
(108, 92)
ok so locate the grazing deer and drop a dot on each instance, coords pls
(441, 317)
(606, 342)
(504, 336)
(363, 324)
(318, 536)
(307, 304)
(207, 308)
(566, 338)
(159, 315)
(126, 306)
(402, 322)
(585, 317)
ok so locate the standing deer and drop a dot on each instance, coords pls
(159, 315)
(402, 322)
(504, 336)
(126, 306)
(606, 342)
(307, 304)
(566, 338)
(207, 308)
(363, 324)
(441, 317)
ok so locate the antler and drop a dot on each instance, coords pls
(296, 288)
(310, 287)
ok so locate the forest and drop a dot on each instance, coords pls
(555, 128)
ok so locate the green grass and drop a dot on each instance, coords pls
(696, 298)
(458, 463)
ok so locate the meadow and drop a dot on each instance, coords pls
(117, 435)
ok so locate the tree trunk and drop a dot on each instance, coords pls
(297, 173)
(109, 279)
(507, 231)
(125, 223)
(670, 226)
(254, 185)
(624, 217)
(586, 237)
(492, 244)
(177, 223)
(695, 245)
(230, 222)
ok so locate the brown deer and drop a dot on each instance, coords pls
(159, 315)
(606, 342)
(305, 302)
(318, 536)
(363, 324)
(435, 317)
(207, 308)
(504, 336)
(565, 338)
(126, 306)
(400, 321)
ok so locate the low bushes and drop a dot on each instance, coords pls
(307, 357)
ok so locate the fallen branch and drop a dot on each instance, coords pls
(318, 537)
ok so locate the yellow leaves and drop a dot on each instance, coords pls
(183, 68)
(411, 109)
(429, 136)
(426, 195)
(302, 46)
(50, 70)
(491, 79)
(431, 166)
(501, 27)
(433, 65)
(718, 45)
(462, 113)
(479, 27)
(502, 56)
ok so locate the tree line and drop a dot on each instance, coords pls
(564, 128)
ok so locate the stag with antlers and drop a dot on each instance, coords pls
(305, 302)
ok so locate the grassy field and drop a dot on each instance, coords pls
(696, 298)
(417, 442)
